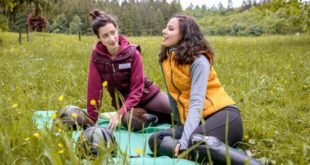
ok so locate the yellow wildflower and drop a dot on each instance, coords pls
(139, 151)
(105, 83)
(74, 115)
(59, 130)
(61, 98)
(61, 151)
(246, 137)
(93, 102)
(14, 105)
(60, 145)
(54, 116)
(37, 135)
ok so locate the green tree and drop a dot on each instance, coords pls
(126, 23)
(7, 5)
(75, 25)
(3, 21)
(60, 25)
(230, 5)
(137, 21)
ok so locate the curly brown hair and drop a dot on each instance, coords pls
(192, 44)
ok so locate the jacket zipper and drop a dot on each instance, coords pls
(113, 68)
(113, 72)
(171, 77)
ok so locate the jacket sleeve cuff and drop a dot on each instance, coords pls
(93, 115)
(122, 111)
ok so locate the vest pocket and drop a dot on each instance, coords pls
(103, 65)
(122, 78)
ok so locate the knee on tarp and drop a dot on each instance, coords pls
(138, 118)
(162, 144)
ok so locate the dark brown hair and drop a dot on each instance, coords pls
(99, 19)
(192, 43)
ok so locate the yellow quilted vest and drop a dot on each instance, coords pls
(178, 82)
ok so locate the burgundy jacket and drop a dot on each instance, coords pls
(124, 73)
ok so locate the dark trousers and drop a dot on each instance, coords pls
(158, 106)
(214, 125)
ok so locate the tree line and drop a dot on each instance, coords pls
(148, 17)
(144, 17)
(254, 18)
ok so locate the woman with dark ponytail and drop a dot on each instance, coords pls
(116, 64)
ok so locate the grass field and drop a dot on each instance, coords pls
(268, 77)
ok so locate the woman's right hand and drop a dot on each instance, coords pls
(114, 121)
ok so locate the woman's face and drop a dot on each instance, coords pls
(108, 35)
(171, 34)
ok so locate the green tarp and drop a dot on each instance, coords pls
(128, 142)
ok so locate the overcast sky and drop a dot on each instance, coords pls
(210, 3)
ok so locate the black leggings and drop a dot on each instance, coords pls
(158, 106)
(214, 126)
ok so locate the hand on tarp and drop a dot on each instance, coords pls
(177, 149)
(177, 152)
(107, 115)
(114, 121)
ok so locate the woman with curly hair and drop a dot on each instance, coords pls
(199, 102)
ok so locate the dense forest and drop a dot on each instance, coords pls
(148, 17)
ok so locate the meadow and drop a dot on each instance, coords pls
(267, 76)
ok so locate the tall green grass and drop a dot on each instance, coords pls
(268, 77)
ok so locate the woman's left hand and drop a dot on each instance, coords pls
(177, 152)
(177, 149)
(114, 121)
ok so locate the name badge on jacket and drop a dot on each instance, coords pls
(124, 66)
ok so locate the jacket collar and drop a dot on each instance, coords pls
(171, 50)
